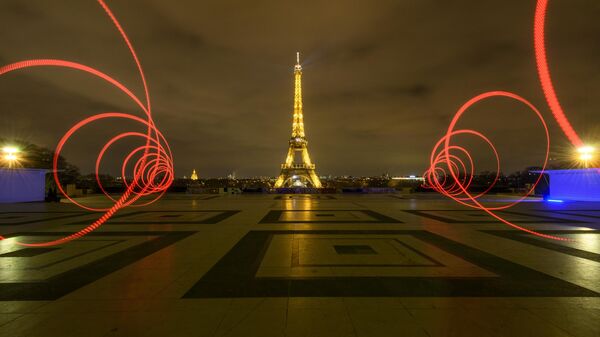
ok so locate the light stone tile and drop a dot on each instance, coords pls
(7, 318)
(20, 307)
(576, 321)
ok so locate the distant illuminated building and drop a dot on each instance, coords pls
(298, 170)
(410, 178)
(194, 175)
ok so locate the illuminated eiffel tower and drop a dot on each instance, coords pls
(298, 170)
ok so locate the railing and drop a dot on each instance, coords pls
(298, 166)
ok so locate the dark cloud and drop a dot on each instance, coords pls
(382, 78)
(21, 10)
(383, 92)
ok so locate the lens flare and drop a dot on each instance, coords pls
(585, 153)
(10, 150)
(150, 165)
(10, 155)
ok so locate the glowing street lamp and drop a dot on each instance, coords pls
(10, 155)
(585, 154)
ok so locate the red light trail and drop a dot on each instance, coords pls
(446, 162)
(151, 165)
(541, 59)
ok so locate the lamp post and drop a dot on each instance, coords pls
(585, 154)
(10, 155)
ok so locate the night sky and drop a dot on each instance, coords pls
(382, 79)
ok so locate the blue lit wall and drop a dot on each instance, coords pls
(579, 185)
(22, 185)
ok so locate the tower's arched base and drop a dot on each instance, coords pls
(298, 177)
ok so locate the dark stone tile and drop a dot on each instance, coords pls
(10, 217)
(274, 216)
(49, 216)
(594, 214)
(354, 250)
(534, 218)
(365, 249)
(233, 275)
(29, 252)
(68, 281)
(121, 219)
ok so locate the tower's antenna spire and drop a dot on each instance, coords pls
(298, 67)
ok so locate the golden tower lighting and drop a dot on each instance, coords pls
(298, 170)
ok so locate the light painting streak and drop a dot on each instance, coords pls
(446, 165)
(151, 171)
(541, 59)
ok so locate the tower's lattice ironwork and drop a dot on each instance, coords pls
(298, 170)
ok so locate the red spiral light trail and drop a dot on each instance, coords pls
(151, 165)
(443, 174)
(539, 38)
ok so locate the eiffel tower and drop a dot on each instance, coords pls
(298, 170)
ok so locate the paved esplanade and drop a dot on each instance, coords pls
(302, 265)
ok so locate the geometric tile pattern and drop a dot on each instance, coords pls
(241, 273)
(317, 255)
(169, 217)
(342, 278)
(556, 246)
(27, 252)
(476, 216)
(59, 281)
(326, 216)
(594, 214)
(22, 218)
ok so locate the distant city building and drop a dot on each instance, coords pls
(194, 175)
(298, 170)
(410, 178)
